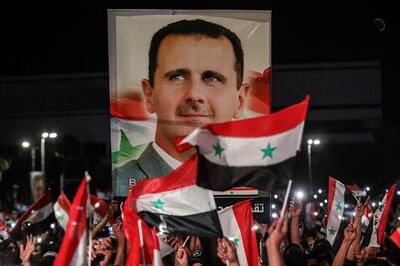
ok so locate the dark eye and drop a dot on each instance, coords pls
(211, 78)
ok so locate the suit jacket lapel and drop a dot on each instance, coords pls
(152, 164)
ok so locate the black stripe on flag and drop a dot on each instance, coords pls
(204, 224)
(41, 226)
(220, 177)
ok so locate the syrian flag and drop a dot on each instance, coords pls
(256, 152)
(40, 215)
(237, 225)
(74, 247)
(100, 208)
(375, 234)
(61, 210)
(366, 218)
(310, 217)
(341, 204)
(145, 245)
(175, 205)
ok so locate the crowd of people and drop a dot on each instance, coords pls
(283, 242)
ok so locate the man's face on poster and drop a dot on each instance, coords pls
(195, 83)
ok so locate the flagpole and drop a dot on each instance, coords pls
(141, 241)
(184, 243)
(89, 215)
(286, 198)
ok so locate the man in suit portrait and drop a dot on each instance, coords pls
(195, 77)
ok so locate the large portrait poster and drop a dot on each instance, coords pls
(174, 70)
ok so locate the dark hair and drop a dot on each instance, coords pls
(294, 255)
(196, 27)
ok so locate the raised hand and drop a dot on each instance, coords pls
(26, 252)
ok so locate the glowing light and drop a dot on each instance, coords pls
(275, 196)
(316, 142)
(53, 135)
(373, 204)
(310, 141)
(319, 191)
(274, 215)
(367, 188)
(39, 240)
(315, 196)
(96, 205)
(321, 204)
(273, 206)
(45, 135)
(25, 144)
(346, 205)
(325, 201)
(315, 213)
(299, 194)
(52, 225)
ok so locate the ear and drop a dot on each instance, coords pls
(148, 95)
(242, 94)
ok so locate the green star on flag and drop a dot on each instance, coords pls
(218, 150)
(332, 230)
(126, 150)
(60, 217)
(158, 204)
(235, 240)
(267, 152)
(338, 206)
(363, 225)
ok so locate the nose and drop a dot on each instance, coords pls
(195, 93)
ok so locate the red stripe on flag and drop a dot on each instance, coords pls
(395, 237)
(244, 217)
(64, 202)
(385, 216)
(77, 225)
(262, 126)
(184, 176)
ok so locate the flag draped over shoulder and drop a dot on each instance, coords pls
(74, 247)
(341, 203)
(40, 215)
(256, 152)
(61, 210)
(237, 223)
(175, 205)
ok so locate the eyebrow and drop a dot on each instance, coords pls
(216, 74)
(176, 72)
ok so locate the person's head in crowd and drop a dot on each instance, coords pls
(308, 239)
(376, 262)
(321, 254)
(104, 251)
(294, 256)
(195, 78)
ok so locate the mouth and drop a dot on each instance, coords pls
(196, 118)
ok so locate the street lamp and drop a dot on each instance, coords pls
(26, 145)
(45, 135)
(311, 142)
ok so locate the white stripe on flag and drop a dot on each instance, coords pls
(179, 202)
(231, 230)
(239, 151)
(61, 215)
(40, 214)
(80, 256)
(336, 215)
